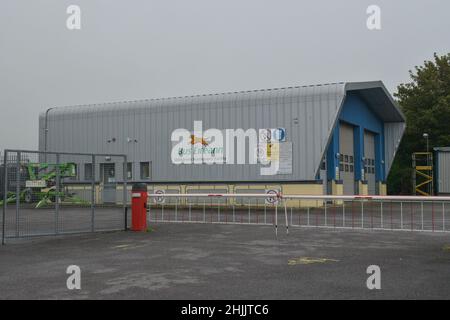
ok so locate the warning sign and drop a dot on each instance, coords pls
(159, 199)
(272, 200)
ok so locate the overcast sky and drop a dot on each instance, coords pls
(129, 50)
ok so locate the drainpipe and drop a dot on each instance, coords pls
(45, 133)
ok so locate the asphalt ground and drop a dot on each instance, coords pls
(218, 261)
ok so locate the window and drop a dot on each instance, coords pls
(88, 171)
(145, 171)
(72, 174)
(351, 159)
(129, 170)
(346, 158)
(346, 168)
(351, 168)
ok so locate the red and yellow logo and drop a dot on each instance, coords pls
(195, 139)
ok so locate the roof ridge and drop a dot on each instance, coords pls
(198, 95)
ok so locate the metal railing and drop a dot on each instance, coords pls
(396, 213)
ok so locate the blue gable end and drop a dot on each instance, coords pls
(356, 112)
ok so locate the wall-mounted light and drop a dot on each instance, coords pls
(107, 158)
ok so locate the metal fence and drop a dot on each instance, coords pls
(50, 193)
(400, 213)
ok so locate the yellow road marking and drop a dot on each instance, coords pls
(309, 260)
(121, 246)
(128, 246)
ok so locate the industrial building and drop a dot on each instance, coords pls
(442, 170)
(338, 138)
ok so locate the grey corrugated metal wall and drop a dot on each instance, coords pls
(443, 172)
(151, 122)
(393, 132)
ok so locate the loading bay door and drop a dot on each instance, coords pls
(369, 161)
(346, 161)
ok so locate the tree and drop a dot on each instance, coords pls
(425, 101)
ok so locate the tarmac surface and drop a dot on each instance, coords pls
(217, 261)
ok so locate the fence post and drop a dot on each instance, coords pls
(362, 214)
(204, 211)
(190, 210)
(58, 181)
(124, 186)
(18, 154)
(443, 216)
(291, 218)
(265, 212)
(5, 196)
(93, 195)
(276, 221)
(218, 210)
(286, 216)
(307, 215)
(421, 213)
(401, 215)
(343, 213)
(381, 209)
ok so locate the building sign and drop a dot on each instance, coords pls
(267, 147)
(285, 158)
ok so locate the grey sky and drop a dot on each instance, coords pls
(129, 50)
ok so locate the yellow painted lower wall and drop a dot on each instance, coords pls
(299, 189)
(285, 189)
(337, 189)
(259, 188)
(363, 189)
(382, 189)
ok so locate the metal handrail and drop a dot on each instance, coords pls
(300, 197)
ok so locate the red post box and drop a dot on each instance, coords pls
(139, 197)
